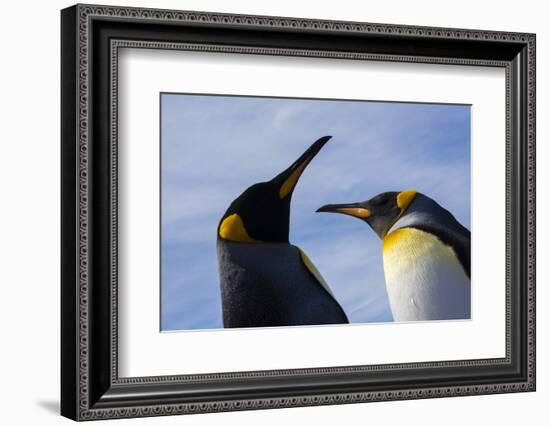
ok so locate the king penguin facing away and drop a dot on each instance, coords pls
(426, 254)
(266, 281)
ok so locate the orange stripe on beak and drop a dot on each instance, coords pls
(359, 212)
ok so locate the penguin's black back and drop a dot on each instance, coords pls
(268, 285)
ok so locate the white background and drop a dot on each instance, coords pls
(146, 352)
(29, 225)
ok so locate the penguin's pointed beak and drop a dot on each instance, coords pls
(358, 210)
(289, 178)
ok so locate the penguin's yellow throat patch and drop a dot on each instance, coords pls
(396, 237)
(232, 229)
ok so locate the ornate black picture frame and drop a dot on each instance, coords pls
(91, 36)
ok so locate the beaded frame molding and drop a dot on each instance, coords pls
(91, 38)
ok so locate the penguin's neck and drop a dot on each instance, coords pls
(422, 210)
(425, 213)
(254, 256)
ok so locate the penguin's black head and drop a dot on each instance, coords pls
(380, 212)
(262, 212)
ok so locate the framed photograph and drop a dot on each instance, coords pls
(263, 212)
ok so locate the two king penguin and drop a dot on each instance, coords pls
(265, 280)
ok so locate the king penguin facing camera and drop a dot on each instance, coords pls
(426, 254)
(265, 280)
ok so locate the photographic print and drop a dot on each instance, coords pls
(302, 192)
(246, 182)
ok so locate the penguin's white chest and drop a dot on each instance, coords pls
(424, 278)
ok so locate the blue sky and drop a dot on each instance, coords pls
(214, 147)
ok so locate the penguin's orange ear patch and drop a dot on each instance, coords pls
(232, 229)
(404, 198)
